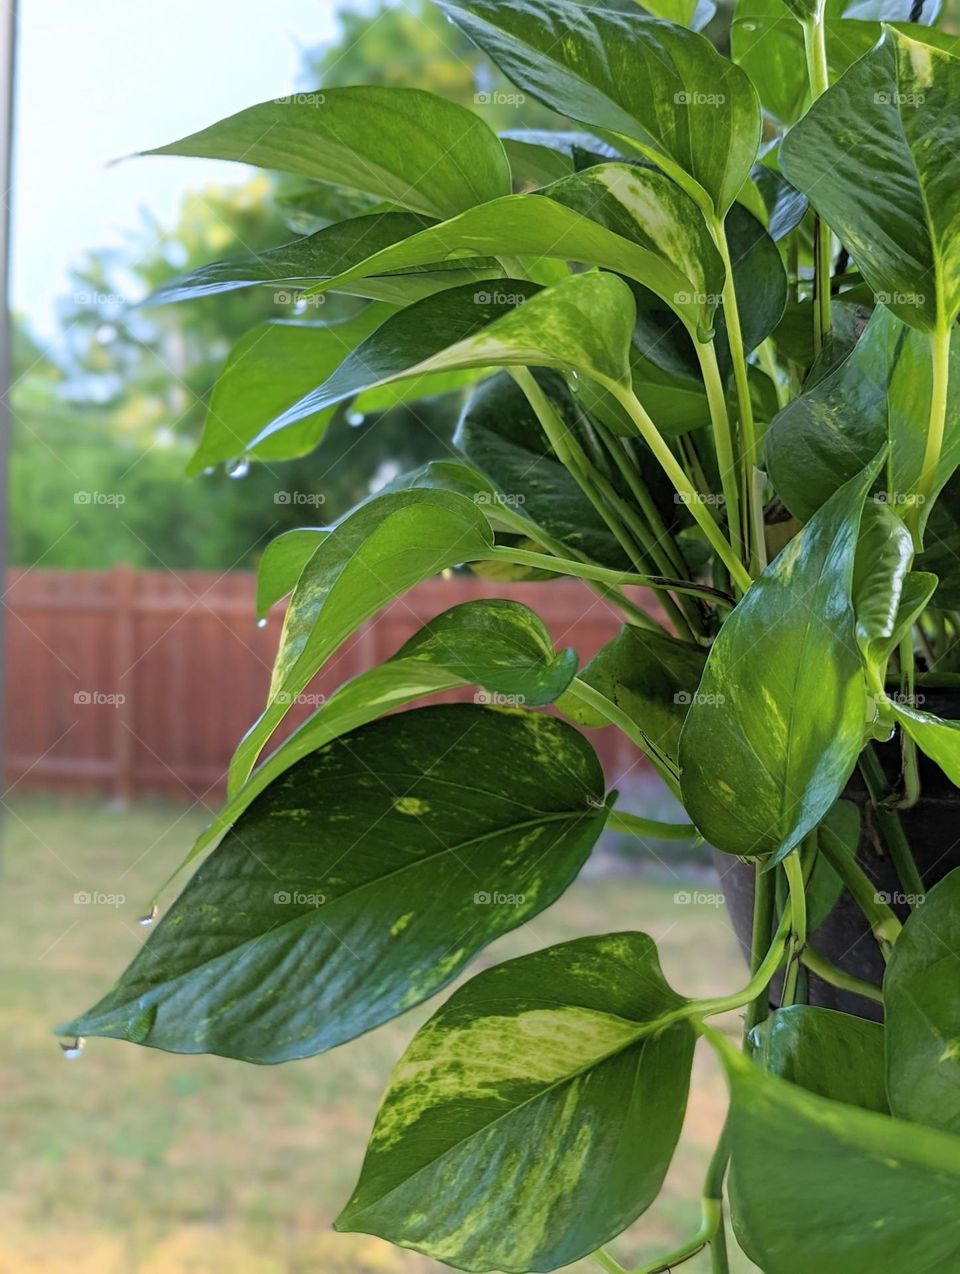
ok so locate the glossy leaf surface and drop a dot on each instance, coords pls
(922, 1009)
(824, 1186)
(777, 723)
(661, 88)
(535, 1115)
(894, 202)
(373, 555)
(382, 141)
(361, 882)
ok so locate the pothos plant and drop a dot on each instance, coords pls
(711, 317)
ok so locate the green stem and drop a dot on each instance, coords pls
(581, 692)
(768, 361)
(753, 507)
(621, 821)
(764, 893)
(606, 1262)
(829, 972)
(940, 363)
(602, 574)
(722, 438)
(814, 41)
(908, 749)
(594, 485)
(884, 925)
(891, 829)
(685, 488)
(798, 923)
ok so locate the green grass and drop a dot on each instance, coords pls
(131, 1161)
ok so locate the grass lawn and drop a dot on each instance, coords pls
(131, 1161)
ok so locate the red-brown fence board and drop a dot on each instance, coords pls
(175, 670)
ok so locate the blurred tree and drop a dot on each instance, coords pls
(118, 409)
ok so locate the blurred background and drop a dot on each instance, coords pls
(135, 664)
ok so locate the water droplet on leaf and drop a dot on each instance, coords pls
(355, 418)
(72, 1051)
(150, 917)
(262, 621)
(239, 468)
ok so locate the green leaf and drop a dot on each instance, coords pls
(583, 324)
(826, 436)
(539, 156)
(268, 370)
(499, 645)
(939, 740)
(884, 556)
(767, 41)
(652, 678)
(401, 144)
(370, 557)
(361, 883)
(499, 432)
(330, 252)
(785, 206)
(663, 90)
(535, 1115)
(894, 202)
(632, 220)
(283, 561)
(922, 1011)
(778, 721)
(832, 1054)
(823, 1186)
(687, 13)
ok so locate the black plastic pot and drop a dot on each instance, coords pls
(932, 827)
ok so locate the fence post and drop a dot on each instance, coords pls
(124, 655)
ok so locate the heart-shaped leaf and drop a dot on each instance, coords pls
(922, 1011)
(662, 89)
(887, 1202)
(777, 723)
(371, 556)
(360, 883)
(874, 155)
(535, 1115)
(412, 148)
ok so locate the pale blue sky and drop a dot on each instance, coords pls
(102, 78)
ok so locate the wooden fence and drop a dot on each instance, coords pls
(138, 683)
